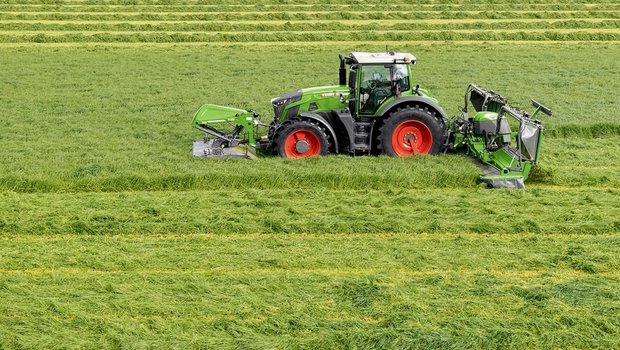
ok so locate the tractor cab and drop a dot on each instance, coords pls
(376, 79)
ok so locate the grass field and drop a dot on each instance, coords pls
(112, 236)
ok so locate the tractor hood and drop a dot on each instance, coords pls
(325, 89)
(314, 99)
(332, 92)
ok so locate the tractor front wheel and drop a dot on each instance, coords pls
(301, 139)
(411, 131)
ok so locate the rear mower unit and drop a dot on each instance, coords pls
(378, 110)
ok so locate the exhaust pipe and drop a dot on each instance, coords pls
(342, 71)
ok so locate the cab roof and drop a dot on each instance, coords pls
(382, 57)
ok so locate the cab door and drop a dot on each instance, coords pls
(375, 87)
(378, 83)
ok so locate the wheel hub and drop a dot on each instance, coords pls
(410, 138)
(302, 146)
(302, 143)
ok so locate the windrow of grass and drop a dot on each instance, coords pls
(326, 15)
(310, 292)
(361, 7)
(565, 162)
(239, 3)
(350, 7)
(544, 210)
(181, 37)
(325, 173)
(304, 26)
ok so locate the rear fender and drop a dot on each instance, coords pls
(415, 100)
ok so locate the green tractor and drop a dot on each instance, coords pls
(379, 110)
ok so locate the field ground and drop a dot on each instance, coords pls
(112, 236)
(311, 291)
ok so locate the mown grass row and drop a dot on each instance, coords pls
(308, 292)
(78, 7)
(343, 15)
(279, 2)
(544, 210)
(181, 37)
(303, 26)
(571, 162)
(269, 173)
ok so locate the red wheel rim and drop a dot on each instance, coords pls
(302, 143)
(411, 137)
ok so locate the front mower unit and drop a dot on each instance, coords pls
(236, 142)
(379, 110)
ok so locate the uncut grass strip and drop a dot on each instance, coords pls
(596, 130)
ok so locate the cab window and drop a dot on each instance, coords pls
(380, 81)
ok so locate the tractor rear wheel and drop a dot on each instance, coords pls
(410, 131)
(301, 139)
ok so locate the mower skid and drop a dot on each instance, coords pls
(516, 182)
(204, 148)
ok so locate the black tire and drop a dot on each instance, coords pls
(315, 139)
(422, 122)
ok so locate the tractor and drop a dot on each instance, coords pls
(379, 110)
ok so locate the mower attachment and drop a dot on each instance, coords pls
(233, 137)
(218, 148)
(505, 140)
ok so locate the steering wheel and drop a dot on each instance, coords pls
(372, 84)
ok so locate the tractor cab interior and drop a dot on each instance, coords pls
(380, 81)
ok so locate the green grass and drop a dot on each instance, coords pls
(170, 22)
(297, 7)
(303, 26)
(370, 15)
(540, 209)
(112, 236)
(180, 37)
(311, 292)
